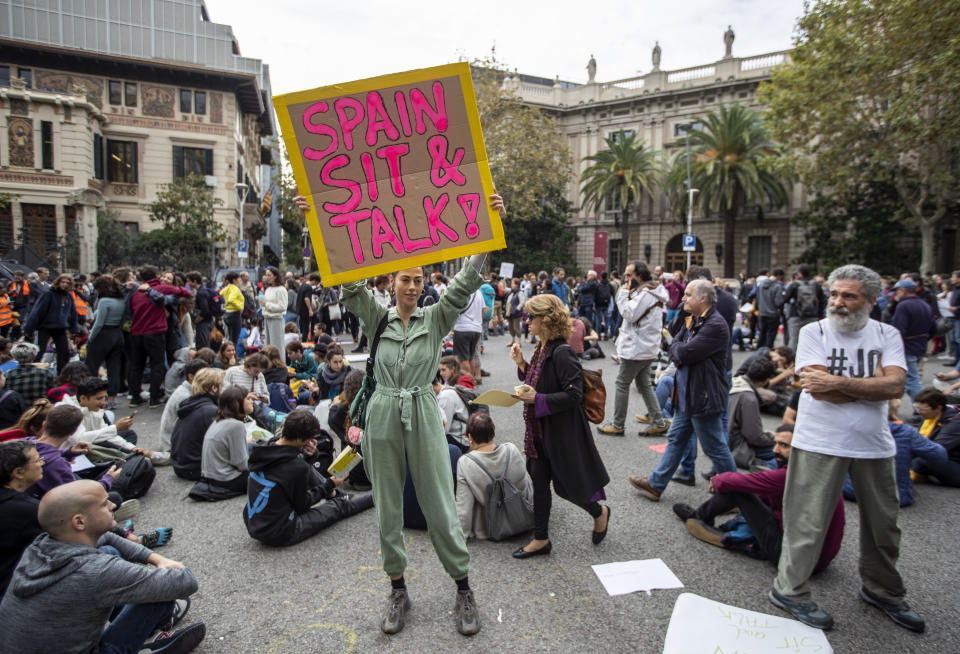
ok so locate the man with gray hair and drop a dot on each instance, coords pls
(849, 366)
(699, 350)
(27, 379)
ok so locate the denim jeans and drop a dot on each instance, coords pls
(688, 463)
(587, 312)
(132, 625)
(955, 340)
(665, 395)
(913, 385)
(708, 429)
(639, 371)
(613, 319)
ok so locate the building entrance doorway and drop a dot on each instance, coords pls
(676, 258)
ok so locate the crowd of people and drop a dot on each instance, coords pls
(259, 400)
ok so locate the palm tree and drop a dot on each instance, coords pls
(625, 170)
(732, 165)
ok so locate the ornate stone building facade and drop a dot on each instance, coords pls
(99, 110)
(658, 106)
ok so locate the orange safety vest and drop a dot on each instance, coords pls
(80, 305)
(6, 314)
(23, 291)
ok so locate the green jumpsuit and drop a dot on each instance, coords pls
(405, 424)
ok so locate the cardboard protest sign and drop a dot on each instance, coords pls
(395, 171)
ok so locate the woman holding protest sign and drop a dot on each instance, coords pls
(409, 427)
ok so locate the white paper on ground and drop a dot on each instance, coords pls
(702, 625)
(81, 462)
(631, 576)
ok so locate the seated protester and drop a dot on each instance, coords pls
(79, 575)
(253, 341)
(472, 481)
(224, 458)
(911, 446)
(591, 342)
(27, 379)
(304, 365)
(168, 419)
(21, 466)
(194, 417)
(291, 333)
(206, 355)
(226, 356)
(338, 419)
(466, 378)
(276, 372)
(320, 335)
(752, 447)
(941, 424)
(283, 488)
(31, 422)
(576, 336)
(175, 375)
(450, 371)
(790, 413)
(67, 381)
(331, 376)
(62, 422)
(455, 413)
(12, 405)
(759, 497)
(92, 399)
(249, 376)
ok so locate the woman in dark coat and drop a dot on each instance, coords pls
(558, 441)
(52, 317)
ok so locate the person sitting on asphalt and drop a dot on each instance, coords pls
(249, 376)
(332, 374)
(304, 365)
(941, 425)
(759, 497)
(283, 488)
(21, 466)
(752, 447)
(28, 379)
(472, 481)
(911, 447)
(194, 417)
(168, 419)
(91, 398)
(224, 456)
(455, 413)
(78, 575)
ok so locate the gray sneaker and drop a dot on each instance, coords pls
(468, 618)
(806, 612)
(396, 612)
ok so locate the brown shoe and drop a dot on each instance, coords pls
(642, 484)
(642, 417)
(705, 532)
(655, 430)
(610, 430)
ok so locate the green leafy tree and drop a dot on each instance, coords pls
(733, 164)
(625, 170)
(866, 223)
(116, 245)
(541, 242)
(185, 208)
(873, 91)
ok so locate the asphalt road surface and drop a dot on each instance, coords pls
(325, 595)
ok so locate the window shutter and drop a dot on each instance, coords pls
(134, 164)
(178, 172)
(97, 156)
(208, 161)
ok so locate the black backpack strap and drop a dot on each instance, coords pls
(376, 343)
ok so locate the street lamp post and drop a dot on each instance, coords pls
(242, 191)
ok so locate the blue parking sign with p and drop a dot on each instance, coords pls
(689, 242)
(243, 246)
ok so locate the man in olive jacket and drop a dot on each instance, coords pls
(700, 352)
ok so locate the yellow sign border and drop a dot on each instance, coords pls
(461, 70)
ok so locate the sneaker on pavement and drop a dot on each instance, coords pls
(468, 618)
(806, 612)
(610, 430)
(180, 608)
(126, 510)
(160, 458)
(686, 480)
(642, 484)
(154, 403)
(643, 417)
(900, 613)
(180, 641)
(702, 531)
(684, 511)
(156, 538)
(136, 401)
(656, 429)
(395, 614)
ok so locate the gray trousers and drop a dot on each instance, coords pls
(810, 498)
(793, 330)
(273, 335)
(631, 370)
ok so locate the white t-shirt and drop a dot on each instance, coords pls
(471, 320)
(859, 429)
(455, 414)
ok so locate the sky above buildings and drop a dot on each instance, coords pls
(309, 44)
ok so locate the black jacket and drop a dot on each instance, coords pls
(575, 464)
(727, 307)
(701, 357)
(281, 486)
(276, 375)
(194, 417)
(947, 432)
(18, 515)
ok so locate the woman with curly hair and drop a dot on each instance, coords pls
(558, 441)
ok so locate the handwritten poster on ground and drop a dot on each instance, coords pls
(699, 625)
(395, 171)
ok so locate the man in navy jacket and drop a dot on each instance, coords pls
(914, 318)
(700, 352)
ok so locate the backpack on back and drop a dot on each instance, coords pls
(604, 294)
(807, 304)
(506, 511)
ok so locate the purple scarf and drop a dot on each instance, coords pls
(534, 430)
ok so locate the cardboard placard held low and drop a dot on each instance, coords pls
(395, 171)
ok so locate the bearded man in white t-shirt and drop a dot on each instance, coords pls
(850, 366)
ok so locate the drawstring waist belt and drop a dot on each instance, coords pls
(406, 396)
